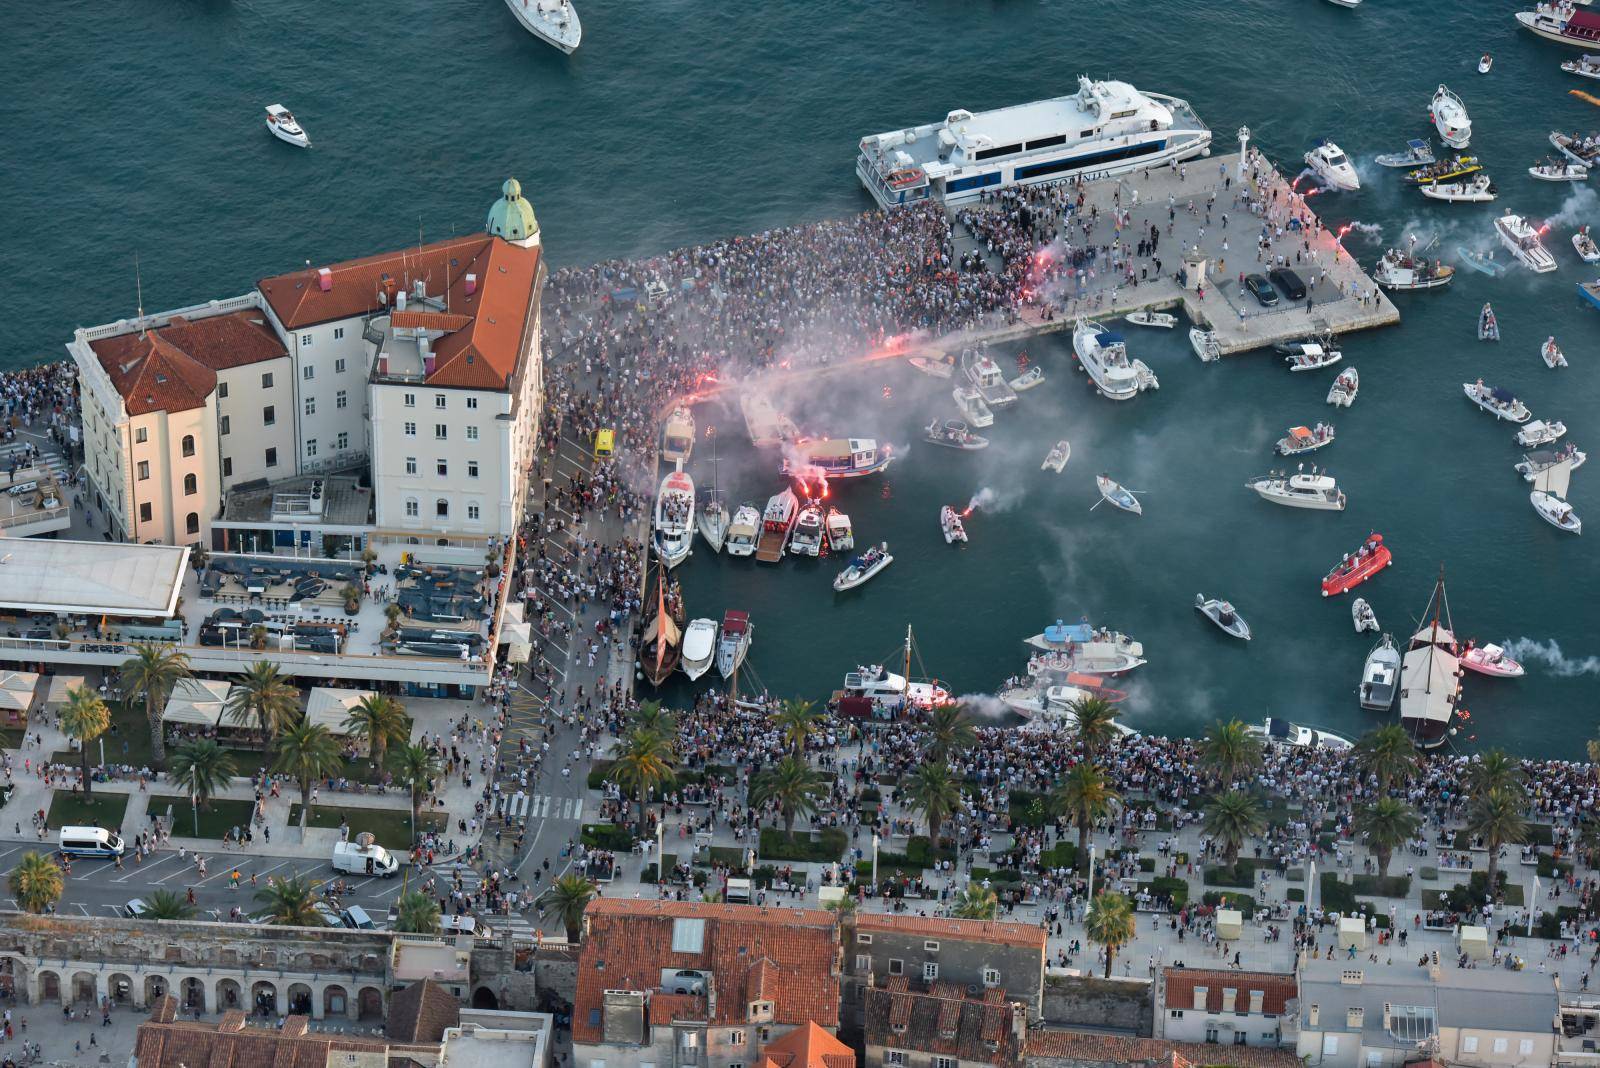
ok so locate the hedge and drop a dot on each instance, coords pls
(607, 836)
(1337, 895)
(1227, 899)
(1382, 886)
(1241, 874)
(822, 846)
(1060, 855)
(1176, 890)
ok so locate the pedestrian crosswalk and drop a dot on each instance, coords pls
(13, 454)
(518, 807)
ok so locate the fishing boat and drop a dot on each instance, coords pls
(1498, 402)
(661, 644)
(766, 425)
(1540, 432)
(1204, 343)
(864, 568)
(1482, 261)
(285, 128)
(941, 366)
(734, 645)
(1223, 615)
(777, 520)
(1552, 355)
(1430, 676)
(840, 534)
(1345, 388)
(1418, 153)
(1445, 170)
(1276, 731)
(711, 515)
(1590, 292)
(1080, 647)
(1585, 67)
(1332, 167)
(1362, 616)
(1312, 357)
(674, 518)
(555, 22)
(1104, 355)
(1300, 490)
(743, 531)
(1161, 320)
(1559, 171)
(1372, 557)
(1563, 22)
(1550, 498)
(1522, 240)
(970, 403)
(836, 458)
(1491, 659)
(699, 647)
(1057, 457)
(677, 436)
(806, 537)
(1033, 376)
(1116, 496)
(1485, 63)
(1488, 325)
(955, 532)
(1478, 189)
(891, 691)
(1450, 118)
(953, 434)
(1585, 246)
(1400, 270)
(1584, 151)
(1535, 463)
(1302, 439)
(1380, 676)
(987, 378)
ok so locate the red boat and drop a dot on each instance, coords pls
(1356, 568)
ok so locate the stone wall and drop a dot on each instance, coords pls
(1114, 1004)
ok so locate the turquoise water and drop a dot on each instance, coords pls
(135, 130)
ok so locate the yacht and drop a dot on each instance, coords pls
(1418, 153)
(1478, 189)
(734, 645)
(285, 128)
(1554, 509)
(677, 436)
(1222, 613)
(1498, 402)
(878, 684)
(699, 647)
(1518, 236)
(1540, 432)
(1535, 463)
(836, 458)
(1300, 490)
(1562, 21)
(1054, 706)
(555, 22)
(777, 520)
(1450, 118)
(1345, 388)
(1332, 167)
(987, 378)
(762, 420)
(742, 532)
(1080, 647)
(1405, 270)
(841, 536)
(1379, 676)
(1105, 128)
(1104, 356)
(863, 568)
(674, 520)
(970, 403)
(806, 538)
(1301, 439)
(1282, 732)
(1430, 676)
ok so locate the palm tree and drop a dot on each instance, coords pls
(1386, 823)
(1110, 924)
(36, 882)
(950, 731)
(796, 719)
(290, 902)
(1230, 750)
(263, 697)
(1388, 754)
(150, 676)
(977, 902)
(1495, 770)
(306, 752)
(1592, 747)
(165, 905)
(1086, 796)
(416, 913)
(417, 767)
(84, 717)
(566, 898)
(380, 720)
(202, 768)
(1497, 817)
(843, 907)
(933, 792)
(1230, 818)
(792, 785)
(652, 717)
(645, 765)
(1096, 723)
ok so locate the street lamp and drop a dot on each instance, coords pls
(1088, 907)
(874, 859)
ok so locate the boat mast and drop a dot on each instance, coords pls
(906, 674)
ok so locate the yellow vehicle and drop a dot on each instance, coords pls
(605, 443)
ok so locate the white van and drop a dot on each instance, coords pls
(89, 842)
(353, 858)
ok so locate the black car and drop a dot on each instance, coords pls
(1292, 285)
(1264, 293)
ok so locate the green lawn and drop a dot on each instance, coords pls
(391, 826)
(220, 815)
(1063, 854)
(607, 836)
(827, 845)
(1176, 890)
(69, 809)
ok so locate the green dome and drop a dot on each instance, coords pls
(512, 216)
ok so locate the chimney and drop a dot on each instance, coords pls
(420, 288)
(1350, 977)
(325, 280)
(1354, 1017)
(400, 301)
(1200, 999)
(472, 284)
(1314, 1016)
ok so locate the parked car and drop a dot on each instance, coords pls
(1265, 295)
(1290, 282)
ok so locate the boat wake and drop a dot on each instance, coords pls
(1549, 654)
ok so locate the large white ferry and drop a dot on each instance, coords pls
(1104, 128)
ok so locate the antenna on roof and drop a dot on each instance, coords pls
(138, 288)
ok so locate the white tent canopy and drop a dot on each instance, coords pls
(60, 687)
(330, 706)
(197, 702)
(17, 689)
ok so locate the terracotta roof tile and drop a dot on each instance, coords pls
(428, 320)
(1277, 989)
(173, 368)
(941, 1021)
(1087, 1048)
(664, 1008)
(1012, 934)
(160, 1044)
(421, 1012)
(809, 1046)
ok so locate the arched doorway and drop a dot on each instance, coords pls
(119, 988)
(228, 995)
(299, 1000)
(84, 988)
(371, 1003)
(335, 1001)
(49, 987)
(8, 976)
(155, 986)
(484, 998)
(192, 994)
(264, 999)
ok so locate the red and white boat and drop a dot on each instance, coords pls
(836, 458)
(1357, 567)
(1491, 660)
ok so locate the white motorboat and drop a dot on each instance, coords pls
(1485, 63)
(1345, 388)
(285, 128)
(1450, 118)
(1080, 647)
(1380, 676)
(1418, 153)
(1491, 659)
(1332, 167)
(1586, 67)
(1223, 615)
(1300, 490)
(950, 523)
(1104, 355)
(1522, 240)
(777, 522)
(1584, 151)
(806, 537)
(1478, 189)
(1345, 3)
(1562, 21)
(763, 422)
(934, 366)
(1552, 355)
(1537, 462)
(674, 518)
(699, 647)
(1057, 457)
(1550, 498)
(841, 536)
(835, 458)
(1033, 376)
(953, 434)
(677, 436)
(555, 22)
(864, 568)
(1401, 270)
(1584, 245)
(743, 531)
(1312, 357)
(990, 382)
(1117, 496)
(712, 518)
(1498, 402)
(1540, 432)
(1161, 320)
(973, 409)
(734, 645)
(1303, 439)
(1204, 343)
(1559, 171)
(1362, 616)
(1053, 706)
(1488, 325)
(1281, 732)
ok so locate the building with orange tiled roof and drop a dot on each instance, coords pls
(1234, 1007)
(941, 1024)
(693, 983)
(807, 1046)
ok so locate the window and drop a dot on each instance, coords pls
(864, 939)
(224, 425)
(897, 967)
(144, 512)
(191, 525)
(269, 415)
(930, 970)
(411, 465)
(1330, 1045)
(439, 401)
(1211, 1035)
(944, 1062)
(472, 511)
(410, 400)
(191, 485)
(931, 946)
(311, 406)
(863, 962)
(1176, 1014)
(440, 432)
(760, 1012)
(472, 433)
(991, 977)
(441, 508)
(340, 400)
(222, 391)
(442, 468)
(266, 380)
(597, 1064)
(342, 442)
(1500, 1045)
(764, 1035)
(305, 340)
(472, 403)
(1525, 1047)
(188, 444)
(411, 507)
(736, 1037)
(141, 436)
(411, 430)
(894, 1057)
(1469, 1044)
(227, 467)
(311, 447)
(144, 470)
(472, 469)
(308, 372)
(1238, 1038)
(272, 457)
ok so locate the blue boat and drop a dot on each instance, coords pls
(1591, 292)
(1483, 262)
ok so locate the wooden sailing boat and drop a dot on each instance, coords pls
(662, 646)
(1430, 675)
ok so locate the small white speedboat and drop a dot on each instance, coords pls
(1223, 615)
(1301, 439)
(1557, 171)
(1345, 3)
(285, 128)
(1587, 67)
(1478, 189)
(972, 407)
(1490, 659)
(1498, 402)
(1117, 496)
(1332, 167)
(1152, 318)
(1342, 394)
(1300, 490)
(1551, 353)
(699, 647)
(1204, 343)
(1488, 325)
(743, 531)
(1418, 153)
(1584, 245)
(841, 536)
(1282, 732)
(1057, 457)
(554, 22)
(953, 434)
(950, 523)
(1313, 357)
(1485, 63)
(1555, 511)
(1539, 432)
(1362, 615)
(934, 367)
(1522, 240)
(864, 568)
(1450, 118)
(1033, 376)
(1584, 151)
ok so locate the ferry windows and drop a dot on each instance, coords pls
(998, 151)
(977, 181)
(1047, 142)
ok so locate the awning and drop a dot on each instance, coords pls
(196, 702)
(519, 653)
(517, 633)
(60, 687)
(514, 612)
(329, 706)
